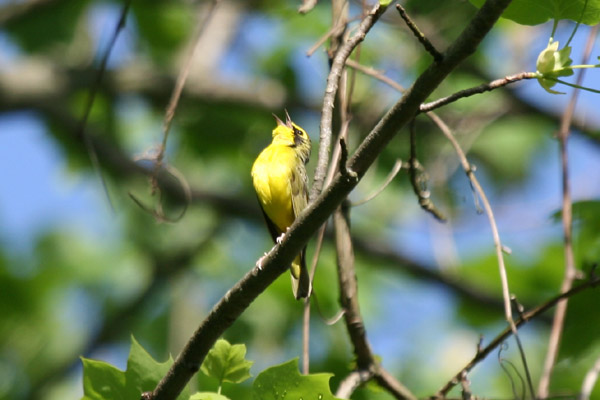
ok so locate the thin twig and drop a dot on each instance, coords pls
(418, 181)
(395, 169)
(375, 74)
(590, 381)
(486, 87)
(497, 242)
(169, 114)
(567, 221)
(430, 48)
(333, 81)
(158, 212)
(306, 311)
(335, 30)
(92, 97)
(181, 78)
(527, 316)
(391, 384)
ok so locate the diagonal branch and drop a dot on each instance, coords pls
(238, 298)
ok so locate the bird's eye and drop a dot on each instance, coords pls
(297, 132)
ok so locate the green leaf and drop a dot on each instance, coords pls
(285, 382)
(208, 396)
(535, 12)
(143, 372)
(227, 362)
(102, 381)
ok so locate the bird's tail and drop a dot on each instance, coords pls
(300, 277)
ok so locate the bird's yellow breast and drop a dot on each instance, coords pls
(272, 174)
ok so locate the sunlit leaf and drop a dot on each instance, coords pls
(226, 362)
(285, 382)
(103, 381)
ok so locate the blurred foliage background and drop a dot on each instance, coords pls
(78, 277)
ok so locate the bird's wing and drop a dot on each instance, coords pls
(299, 185)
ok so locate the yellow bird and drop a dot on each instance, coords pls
(281, 184)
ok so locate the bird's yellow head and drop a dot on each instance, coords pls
(292, 135)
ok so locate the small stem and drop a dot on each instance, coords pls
(579, 66)
(430, 48)
(395, 169)
(577, 24)
(486, 87)
(554, 26)
(573, 85)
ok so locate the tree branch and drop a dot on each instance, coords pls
(486, 87)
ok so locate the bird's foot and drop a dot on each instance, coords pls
(260, 262)
(282, 236)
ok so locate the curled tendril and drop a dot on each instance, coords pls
(158, 212)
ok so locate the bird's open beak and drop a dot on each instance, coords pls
(288, 120)
(279, 122)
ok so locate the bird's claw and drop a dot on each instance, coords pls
(282, 236)
(260, 261)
